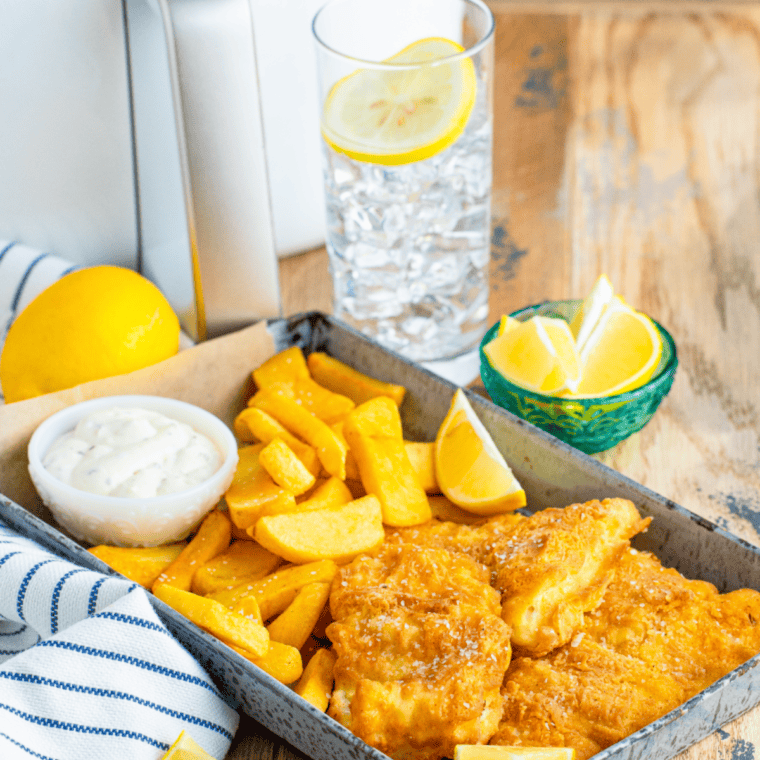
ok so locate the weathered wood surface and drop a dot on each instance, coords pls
(628, 142)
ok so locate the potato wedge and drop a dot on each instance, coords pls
(341, 378)
(373, 432)
(295, 624)
(330, 449)
(253, 424)
(288, 373)
(287, 580)
(330, 492)
(338, 533)
(212, 538)
(248, 607)
(141, 565)
(422, 458)
(316, 682)
(352, 469)
(242, 561)
(285, 468)
(215, 618)
(281, 661)
(253, 491)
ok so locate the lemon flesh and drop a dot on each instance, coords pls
(621, 353)
(186, 748)
(496, 752)
(598, 299)
(539, 355)
(471, 471)
(397, 116)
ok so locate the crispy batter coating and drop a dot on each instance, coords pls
(655, 640)
(555, 565)
(421, 651)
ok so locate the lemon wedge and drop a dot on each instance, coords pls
(620, 354)
(471, 471)
(597, 300)
(186, 748)
(496, 752)
(507, 323)
(539, 354)
(396, 116)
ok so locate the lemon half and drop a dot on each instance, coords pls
(397, 116)
(470, 469)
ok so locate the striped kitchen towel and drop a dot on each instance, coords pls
(87, 669)
(24, 273)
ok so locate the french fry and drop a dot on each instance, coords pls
(340, 378)
(141, 565)
(330, 449)
(329, 493)
(422, 458)
(248, 607)
(253, 424)
(316, 682)
(295, 624)
(285, 468)
(242, 561)
(212, 538)
(288, 373)
(281, 661)
(286, 579)
(215, 618)
(374, 435)
(253, 491)
(338, 532)
(352, 470)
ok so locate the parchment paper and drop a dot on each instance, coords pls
(215, 375)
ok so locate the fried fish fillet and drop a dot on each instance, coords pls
(655, 640)
(550, 567)
(421, 651)
(554, 566)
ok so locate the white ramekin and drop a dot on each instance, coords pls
(122, 521)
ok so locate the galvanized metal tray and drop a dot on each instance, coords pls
(553, 475)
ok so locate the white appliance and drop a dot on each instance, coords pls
(176, 137)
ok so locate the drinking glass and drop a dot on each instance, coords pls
(406, 121)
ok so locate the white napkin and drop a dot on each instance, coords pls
(87, 669)
(24, 273)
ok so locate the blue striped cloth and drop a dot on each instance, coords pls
(87, 669)
(24, 273)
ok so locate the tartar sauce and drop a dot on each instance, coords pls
(132, 452)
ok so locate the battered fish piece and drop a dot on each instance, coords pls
(583, 696)
(421, 651)
(655, 640)
(554, 566)
(683, 628)
(476, 540)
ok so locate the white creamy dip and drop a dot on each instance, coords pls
(132, 452)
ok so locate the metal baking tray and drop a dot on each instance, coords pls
(553, 475)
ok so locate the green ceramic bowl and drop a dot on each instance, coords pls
(593, 424)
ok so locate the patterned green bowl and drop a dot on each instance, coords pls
(592, 424)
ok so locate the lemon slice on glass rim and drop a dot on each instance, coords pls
(407, 112)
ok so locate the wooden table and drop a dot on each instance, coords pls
(627, 141)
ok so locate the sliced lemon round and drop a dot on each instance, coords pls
(590, 311)
(538, 354)
(471, 471)
(497, 752)
(621, 353)
(399, 115)
(186, 748)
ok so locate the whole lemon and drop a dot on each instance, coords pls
(92, 323)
